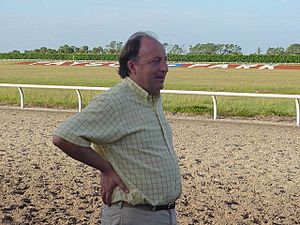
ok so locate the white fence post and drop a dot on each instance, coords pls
(21, 97)
(79, 100)
(297, 111)
(215, 107)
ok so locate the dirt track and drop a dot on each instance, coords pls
(232, 172)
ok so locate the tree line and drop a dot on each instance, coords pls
(292, 49)
(114, 47)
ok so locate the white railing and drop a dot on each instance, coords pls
(213, 94)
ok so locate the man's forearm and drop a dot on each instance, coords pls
(83, 154)
(109, 178)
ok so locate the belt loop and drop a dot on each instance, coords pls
(120, 205)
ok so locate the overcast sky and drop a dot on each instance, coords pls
(250, 24)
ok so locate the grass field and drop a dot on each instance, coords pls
(202, 79)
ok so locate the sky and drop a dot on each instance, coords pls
(31, 24)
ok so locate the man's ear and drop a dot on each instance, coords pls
(131, 67)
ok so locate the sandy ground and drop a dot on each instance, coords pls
(232, 172)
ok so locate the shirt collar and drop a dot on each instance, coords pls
(140, 91)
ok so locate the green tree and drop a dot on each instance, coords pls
(211, 48)
(37, 50)
(275, 51)
(43, 50)
(50, 50)
(15, 51)
(226, 49)
(98, 50)
(114, 47)
(258, 51)
(176, 49)
(65, 49)
(293, 49)
(208, 48)
(84, 49)
(166, 46)
(75, 49)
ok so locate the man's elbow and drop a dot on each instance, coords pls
(57, 141)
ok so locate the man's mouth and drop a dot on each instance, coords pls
(160, 78)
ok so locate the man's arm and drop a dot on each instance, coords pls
(109, 178)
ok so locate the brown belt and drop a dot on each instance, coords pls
(147, 206)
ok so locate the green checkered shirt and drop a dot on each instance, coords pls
(127, 127)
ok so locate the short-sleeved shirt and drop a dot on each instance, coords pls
(127, 127)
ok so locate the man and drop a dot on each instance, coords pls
(131, 140)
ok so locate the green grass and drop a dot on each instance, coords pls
(228, 80)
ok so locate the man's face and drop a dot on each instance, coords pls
(150, 69)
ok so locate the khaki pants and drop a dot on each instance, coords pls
(117, 215)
